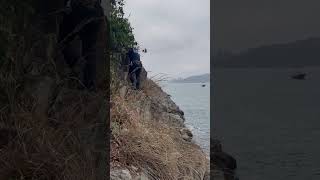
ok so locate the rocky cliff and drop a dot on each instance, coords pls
(50, 127)
(149, 138)
(223, 165)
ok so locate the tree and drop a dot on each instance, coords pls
(121, 30)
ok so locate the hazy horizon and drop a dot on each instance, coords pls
(238, 51)
(239, 25)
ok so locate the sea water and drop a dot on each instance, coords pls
(269, 122)
(194, 100)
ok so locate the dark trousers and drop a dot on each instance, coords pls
(88, 35)
(134, 75)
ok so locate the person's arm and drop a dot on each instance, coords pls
(138, 57)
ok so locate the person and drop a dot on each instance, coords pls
(83, 19)
(135, 67)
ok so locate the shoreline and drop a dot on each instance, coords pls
(195, 128)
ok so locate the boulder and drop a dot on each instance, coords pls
(120, 174)
(176, 118)
(224, 160)
(141, 176)
(143, 77)
(170, 118)
(186, 134)
(123, 91)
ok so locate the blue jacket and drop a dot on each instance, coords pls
(133, 56)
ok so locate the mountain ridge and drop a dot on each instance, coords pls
(202, 78)
(298, 53)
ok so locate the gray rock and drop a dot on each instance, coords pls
(123, 91)
(142, 176)
(120, 174)
(143, 77)
(186, 138)
(169, 118)
(224, 160)
(186, 134)
(134, 168)
(176, 118)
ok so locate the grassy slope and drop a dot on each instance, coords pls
(144, 138)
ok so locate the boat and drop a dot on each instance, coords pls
(299, 76)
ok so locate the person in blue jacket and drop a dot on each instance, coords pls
(135, 67)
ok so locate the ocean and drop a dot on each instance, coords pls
(194, 100)
(269, 122)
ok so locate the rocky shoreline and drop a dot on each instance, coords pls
(163, 121)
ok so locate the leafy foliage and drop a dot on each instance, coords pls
(121, 30)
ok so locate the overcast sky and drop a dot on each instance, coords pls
(242, 24)
(176, 34)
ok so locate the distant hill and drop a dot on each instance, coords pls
(294, 54)
(204, 78)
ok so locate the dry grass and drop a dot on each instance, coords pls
(159, 78)
(37, 152)
(152, 88)
(33, 149)
(152, 146)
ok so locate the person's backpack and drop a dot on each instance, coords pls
(136, 59)
(137, 63)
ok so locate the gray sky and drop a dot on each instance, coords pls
(176, 34)
(242, 24)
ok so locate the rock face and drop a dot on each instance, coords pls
(63, 127)
(120, 174)
(224, 165)
(186, 134)
(125, 174)
(152, 135)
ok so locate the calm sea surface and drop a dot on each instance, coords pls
(194, 100)
(269, 122)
